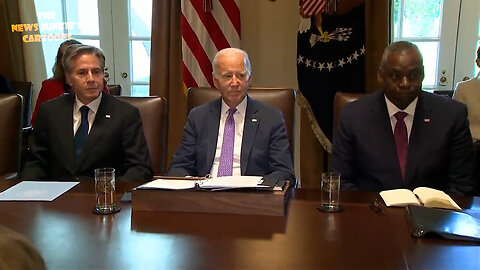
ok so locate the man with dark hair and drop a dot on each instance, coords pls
(80, 132)
(403, 137)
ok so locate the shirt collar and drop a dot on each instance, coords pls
(92, 105)
(392, 109)
(241, 108)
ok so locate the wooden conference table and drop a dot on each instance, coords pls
(69, 236)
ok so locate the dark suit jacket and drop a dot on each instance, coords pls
(440, 150)
(264, 151)
(115, 140)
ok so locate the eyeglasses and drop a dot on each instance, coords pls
(377, 207)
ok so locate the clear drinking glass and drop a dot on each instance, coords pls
(330, 196)
(105, 191)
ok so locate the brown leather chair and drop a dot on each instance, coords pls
(340, 100)
(153, 111)
(115, 89)
(11, 109)
(25, 90)
(445, 93)
(281, 98)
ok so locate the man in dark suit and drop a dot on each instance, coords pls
(260, 142)
(403, 137)
(80, 132)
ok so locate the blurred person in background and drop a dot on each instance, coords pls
(17, 252)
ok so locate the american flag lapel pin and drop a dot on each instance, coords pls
(107, 116)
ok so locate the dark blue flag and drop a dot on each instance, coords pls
(331, 58)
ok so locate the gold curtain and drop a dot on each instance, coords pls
(377, 38)
(166, 68)
(11, 53)
(33, 58)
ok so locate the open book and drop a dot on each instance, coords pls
(213, 184)
(423, 196)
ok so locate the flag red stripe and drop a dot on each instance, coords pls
(314, 7)
(233, 12)
(211, 26)
(196, 47)
(307, 6)
(188, 79)
(317, 7)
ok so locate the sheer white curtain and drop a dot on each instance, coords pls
(34, 60)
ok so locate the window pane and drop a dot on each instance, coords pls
(421, 18)
(93, 42)
(396, 18)
(430, 58)
(84, 15)
(49, 13)
(139, 90)
(140, 18)
(140, 61)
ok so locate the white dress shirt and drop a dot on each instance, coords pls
(410, 110)
(77, 115)
(239, 118)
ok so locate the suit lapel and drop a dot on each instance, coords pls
(380, 118)
(103, 114)
(421, 122)
(213, 124)
(252, 120)
(65, 120)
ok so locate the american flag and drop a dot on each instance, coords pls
(207, 27)
(313, 7)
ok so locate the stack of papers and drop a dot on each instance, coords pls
(218, 183)
(36, 191)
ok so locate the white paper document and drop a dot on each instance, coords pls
(36, 191)
(174, 184)
(227, 182)
(218, 183)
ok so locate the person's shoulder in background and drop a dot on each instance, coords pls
(5, 86)
(466, 88)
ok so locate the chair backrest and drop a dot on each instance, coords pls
(115, 89)
(445, 93)
(153, 111)
(11, 109)
(281, 98)
(25, 89)
(340, 100)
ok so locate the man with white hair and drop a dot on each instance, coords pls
(234, 134)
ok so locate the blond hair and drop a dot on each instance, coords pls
(17, 252)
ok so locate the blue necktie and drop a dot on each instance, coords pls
(225, 168)
(82, 132)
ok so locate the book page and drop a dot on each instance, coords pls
(435, 198)
(399, 197)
